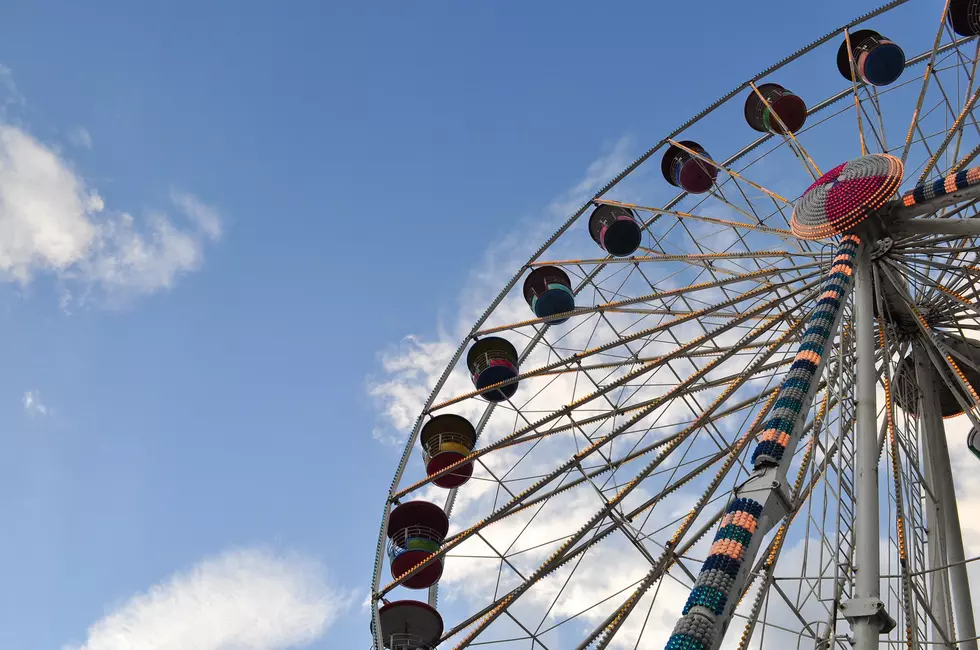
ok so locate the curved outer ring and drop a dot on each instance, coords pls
(412, 438)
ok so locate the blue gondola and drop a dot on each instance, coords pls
(492, 360)
(877, 60)
(615, 229)
(548, 292)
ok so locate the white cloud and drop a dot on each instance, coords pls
(10, 93)
(203, 216)
(79, 136)
(51, 222)
(250, 599)
(45, 219)
(599, 172)
(33, 404)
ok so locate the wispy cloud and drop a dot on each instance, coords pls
(33, 404)
(205, 217)
(52, 222)
(79, 136)
(8, 89)
(248, 598)
(602, 169)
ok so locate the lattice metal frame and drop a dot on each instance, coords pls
(645, 406)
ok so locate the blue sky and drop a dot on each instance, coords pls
(220, 217)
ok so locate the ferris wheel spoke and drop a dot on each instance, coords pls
(721, 399)
(924, 139)
(967, 109)
(959, 280)
(661, 295)
(600, 515)
(854, 90)
(701, 259)
(948, 369)
(582, 612)
(654, 256)
(618, 411)
(971, 76)
(696, 409)
(788, 137)
(718, 193)
(643, 408)
(733, 448)
(965, 160)
(961, 359)
(922, 246)
(875, 102)
(879, 138)
(925, 82)
(735, 175)
(577, 357)
(901, 530)
(941, 290)
(619, 616)
(779, 232)
(961, 120)
(962, 277)
(638, 450)
(963, 63)
(505, 510)
(635, 453)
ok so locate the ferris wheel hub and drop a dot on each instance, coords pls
(846, 196)
(882, 247)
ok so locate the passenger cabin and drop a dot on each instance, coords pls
(781, 107)
(416, 530)
(877, 60)
(492, 360)
(446, 440)
(615, 229)
(973, 442)
(410, 625)
(688, 172)
(964, 17)
(548, 292)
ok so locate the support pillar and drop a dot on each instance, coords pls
(865, 609)
(928, 380)
(937, 584)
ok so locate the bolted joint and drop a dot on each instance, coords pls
(882, 246)
(766, 486)
(864, 608)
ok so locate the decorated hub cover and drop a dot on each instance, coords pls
(843, 197)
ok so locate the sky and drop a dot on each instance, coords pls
(217, 222)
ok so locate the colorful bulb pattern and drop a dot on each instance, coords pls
(778, 429)
(696, 628)
(846, 195)
(958, 181)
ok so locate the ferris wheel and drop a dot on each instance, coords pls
(719, 420)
